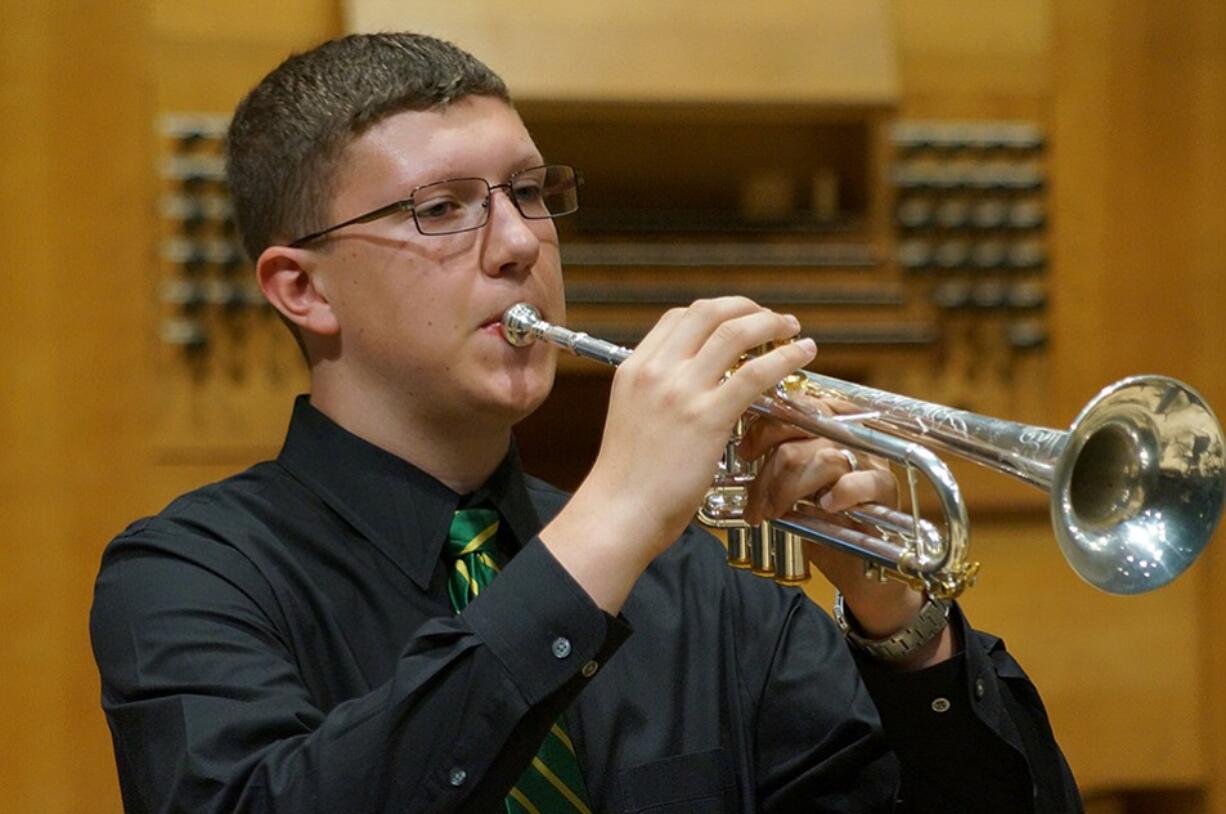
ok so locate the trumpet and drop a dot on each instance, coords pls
(1136, 484)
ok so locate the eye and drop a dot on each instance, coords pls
(528, 191)
(438, 207)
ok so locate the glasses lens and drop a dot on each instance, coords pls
(450, 206)
(546, 192)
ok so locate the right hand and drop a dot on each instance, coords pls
(671, 412)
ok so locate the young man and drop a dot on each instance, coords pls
(303, 637)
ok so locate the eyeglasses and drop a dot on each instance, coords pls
(463, 204)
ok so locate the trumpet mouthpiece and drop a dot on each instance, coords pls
(517, 322)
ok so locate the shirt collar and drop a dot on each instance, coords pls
(398, 507)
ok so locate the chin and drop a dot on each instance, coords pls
(523, 392)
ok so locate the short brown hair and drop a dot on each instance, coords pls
(287, 135)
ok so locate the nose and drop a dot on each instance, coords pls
(511, 242)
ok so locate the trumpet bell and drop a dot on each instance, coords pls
(1139, 487)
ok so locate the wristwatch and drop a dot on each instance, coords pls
(923, 628)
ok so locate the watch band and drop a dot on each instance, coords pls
(923, 628)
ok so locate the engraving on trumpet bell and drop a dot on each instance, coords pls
(925, 414)
(1042, 441)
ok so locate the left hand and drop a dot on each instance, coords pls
(798, 466)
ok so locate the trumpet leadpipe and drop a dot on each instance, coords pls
(522, 325)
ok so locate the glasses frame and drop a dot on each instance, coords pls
(406, 205)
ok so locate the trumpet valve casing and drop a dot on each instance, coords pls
(790, 565)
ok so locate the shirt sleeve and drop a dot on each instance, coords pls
(971, 733)
(209, 711)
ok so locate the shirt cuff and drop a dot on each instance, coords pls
(542, 626)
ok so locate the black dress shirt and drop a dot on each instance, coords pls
(282, 641)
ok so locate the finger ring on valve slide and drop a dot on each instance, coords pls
(852, 460)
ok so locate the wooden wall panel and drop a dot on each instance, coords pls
(987, 59)
(74, 252)
(1206, 336)
(81, 86)
(1140, 203)
(207, 55)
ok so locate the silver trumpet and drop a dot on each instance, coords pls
(1136, 484)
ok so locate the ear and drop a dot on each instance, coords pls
(287, 278)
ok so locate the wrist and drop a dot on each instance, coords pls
(880, 609)
(600, 545)
(923, 639)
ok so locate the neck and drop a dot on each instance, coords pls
(462, 454)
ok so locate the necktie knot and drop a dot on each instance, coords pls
(471, 554)
(472, 530)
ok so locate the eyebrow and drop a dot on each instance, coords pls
(535, 160)
(519, 165)
(522, 164)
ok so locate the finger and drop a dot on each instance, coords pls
(692, 326)
(767, 433)
(873, 462)
(856, 488)
(761, 373)
(659, 333)
(732, 339)
(793, 470)
(837, 406)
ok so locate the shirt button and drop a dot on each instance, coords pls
(458, 776)
(940, 705)
(590, 669)
(560, 647)
(979, 689)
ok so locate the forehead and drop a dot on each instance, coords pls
(477, 136)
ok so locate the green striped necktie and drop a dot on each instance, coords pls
(552, 784)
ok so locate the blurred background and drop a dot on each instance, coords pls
(1002, 205)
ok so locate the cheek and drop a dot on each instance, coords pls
(380, 319)
(391, 287)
